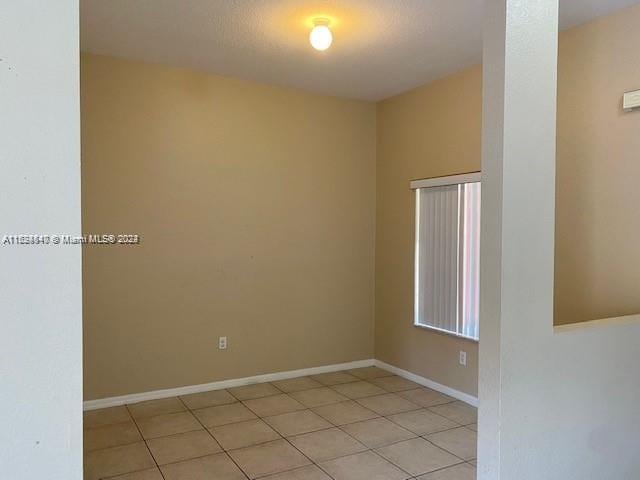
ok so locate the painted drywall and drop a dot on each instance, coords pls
(256, 210)
(40, 298)
(435, 130)
(428, 132)
(597, 218)
(558, 404)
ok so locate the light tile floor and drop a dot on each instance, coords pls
(364, 424)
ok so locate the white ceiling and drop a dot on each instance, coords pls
(381, 47)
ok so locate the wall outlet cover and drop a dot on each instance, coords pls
(463, 357)
(631, 100)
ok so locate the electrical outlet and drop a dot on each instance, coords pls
(222, 343)
(463, 358)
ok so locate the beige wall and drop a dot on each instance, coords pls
(435, 130)
(598, 197)
(256, 207)
(431, 131)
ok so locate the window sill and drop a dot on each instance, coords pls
(445, 332)
(599, 323)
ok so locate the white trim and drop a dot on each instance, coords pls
(416, 261)
(465, 397)
(446, 332)
(272, 377)
(599, 323)
(237, 382)
(449, 180)
(631, 100)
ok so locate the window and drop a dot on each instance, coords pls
(447, 254)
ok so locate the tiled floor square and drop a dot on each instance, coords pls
(208, 399)
(345, 412)
(110, 462)
(387, 404)
(327, 444)
(106, 416)
(297, 384)
(334, 378)
(274, 405)
(152, 408)
(363, 466)
(296, 423)
(318, 397)
(111, 436)
(377, 432)
(268, 458)
(425, 397)
(369, 373)
(459, 441)
(169, 424)
(459, 412)
(310, 472)
(257, 390)
(224, 414)
(417, 456)
(218, 467)
(371, 408)
(183, 446)
(244, 434)
(463, 471)
(422, 422)
(151, 474)
(394, 383)
(358, 390)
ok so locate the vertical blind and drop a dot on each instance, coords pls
(447, 254)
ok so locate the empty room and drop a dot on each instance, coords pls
(321, 240)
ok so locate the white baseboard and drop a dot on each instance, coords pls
(465, 397)
(272, 377)
(205, 387)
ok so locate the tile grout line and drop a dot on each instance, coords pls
(424, 473)
(449, 403)
(333, 426)
(420, 434)
(145, 441)
(442, 448)
(107, 424)
(407, 440)
(237, 400)
(281, 436)
(440, 469)
(208, 429)
(391, 463)
(313, 462)
(214, 439)
(286, 439)
(310, 409)
(462, 460)
(339, 427)
(128, 444)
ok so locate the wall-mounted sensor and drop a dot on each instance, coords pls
(631, 100)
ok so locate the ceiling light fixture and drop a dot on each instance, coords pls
(320, 36)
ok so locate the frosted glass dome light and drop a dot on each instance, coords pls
(321, 36)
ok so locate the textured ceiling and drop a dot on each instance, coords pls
(381, 47)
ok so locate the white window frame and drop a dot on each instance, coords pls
(471, 177)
